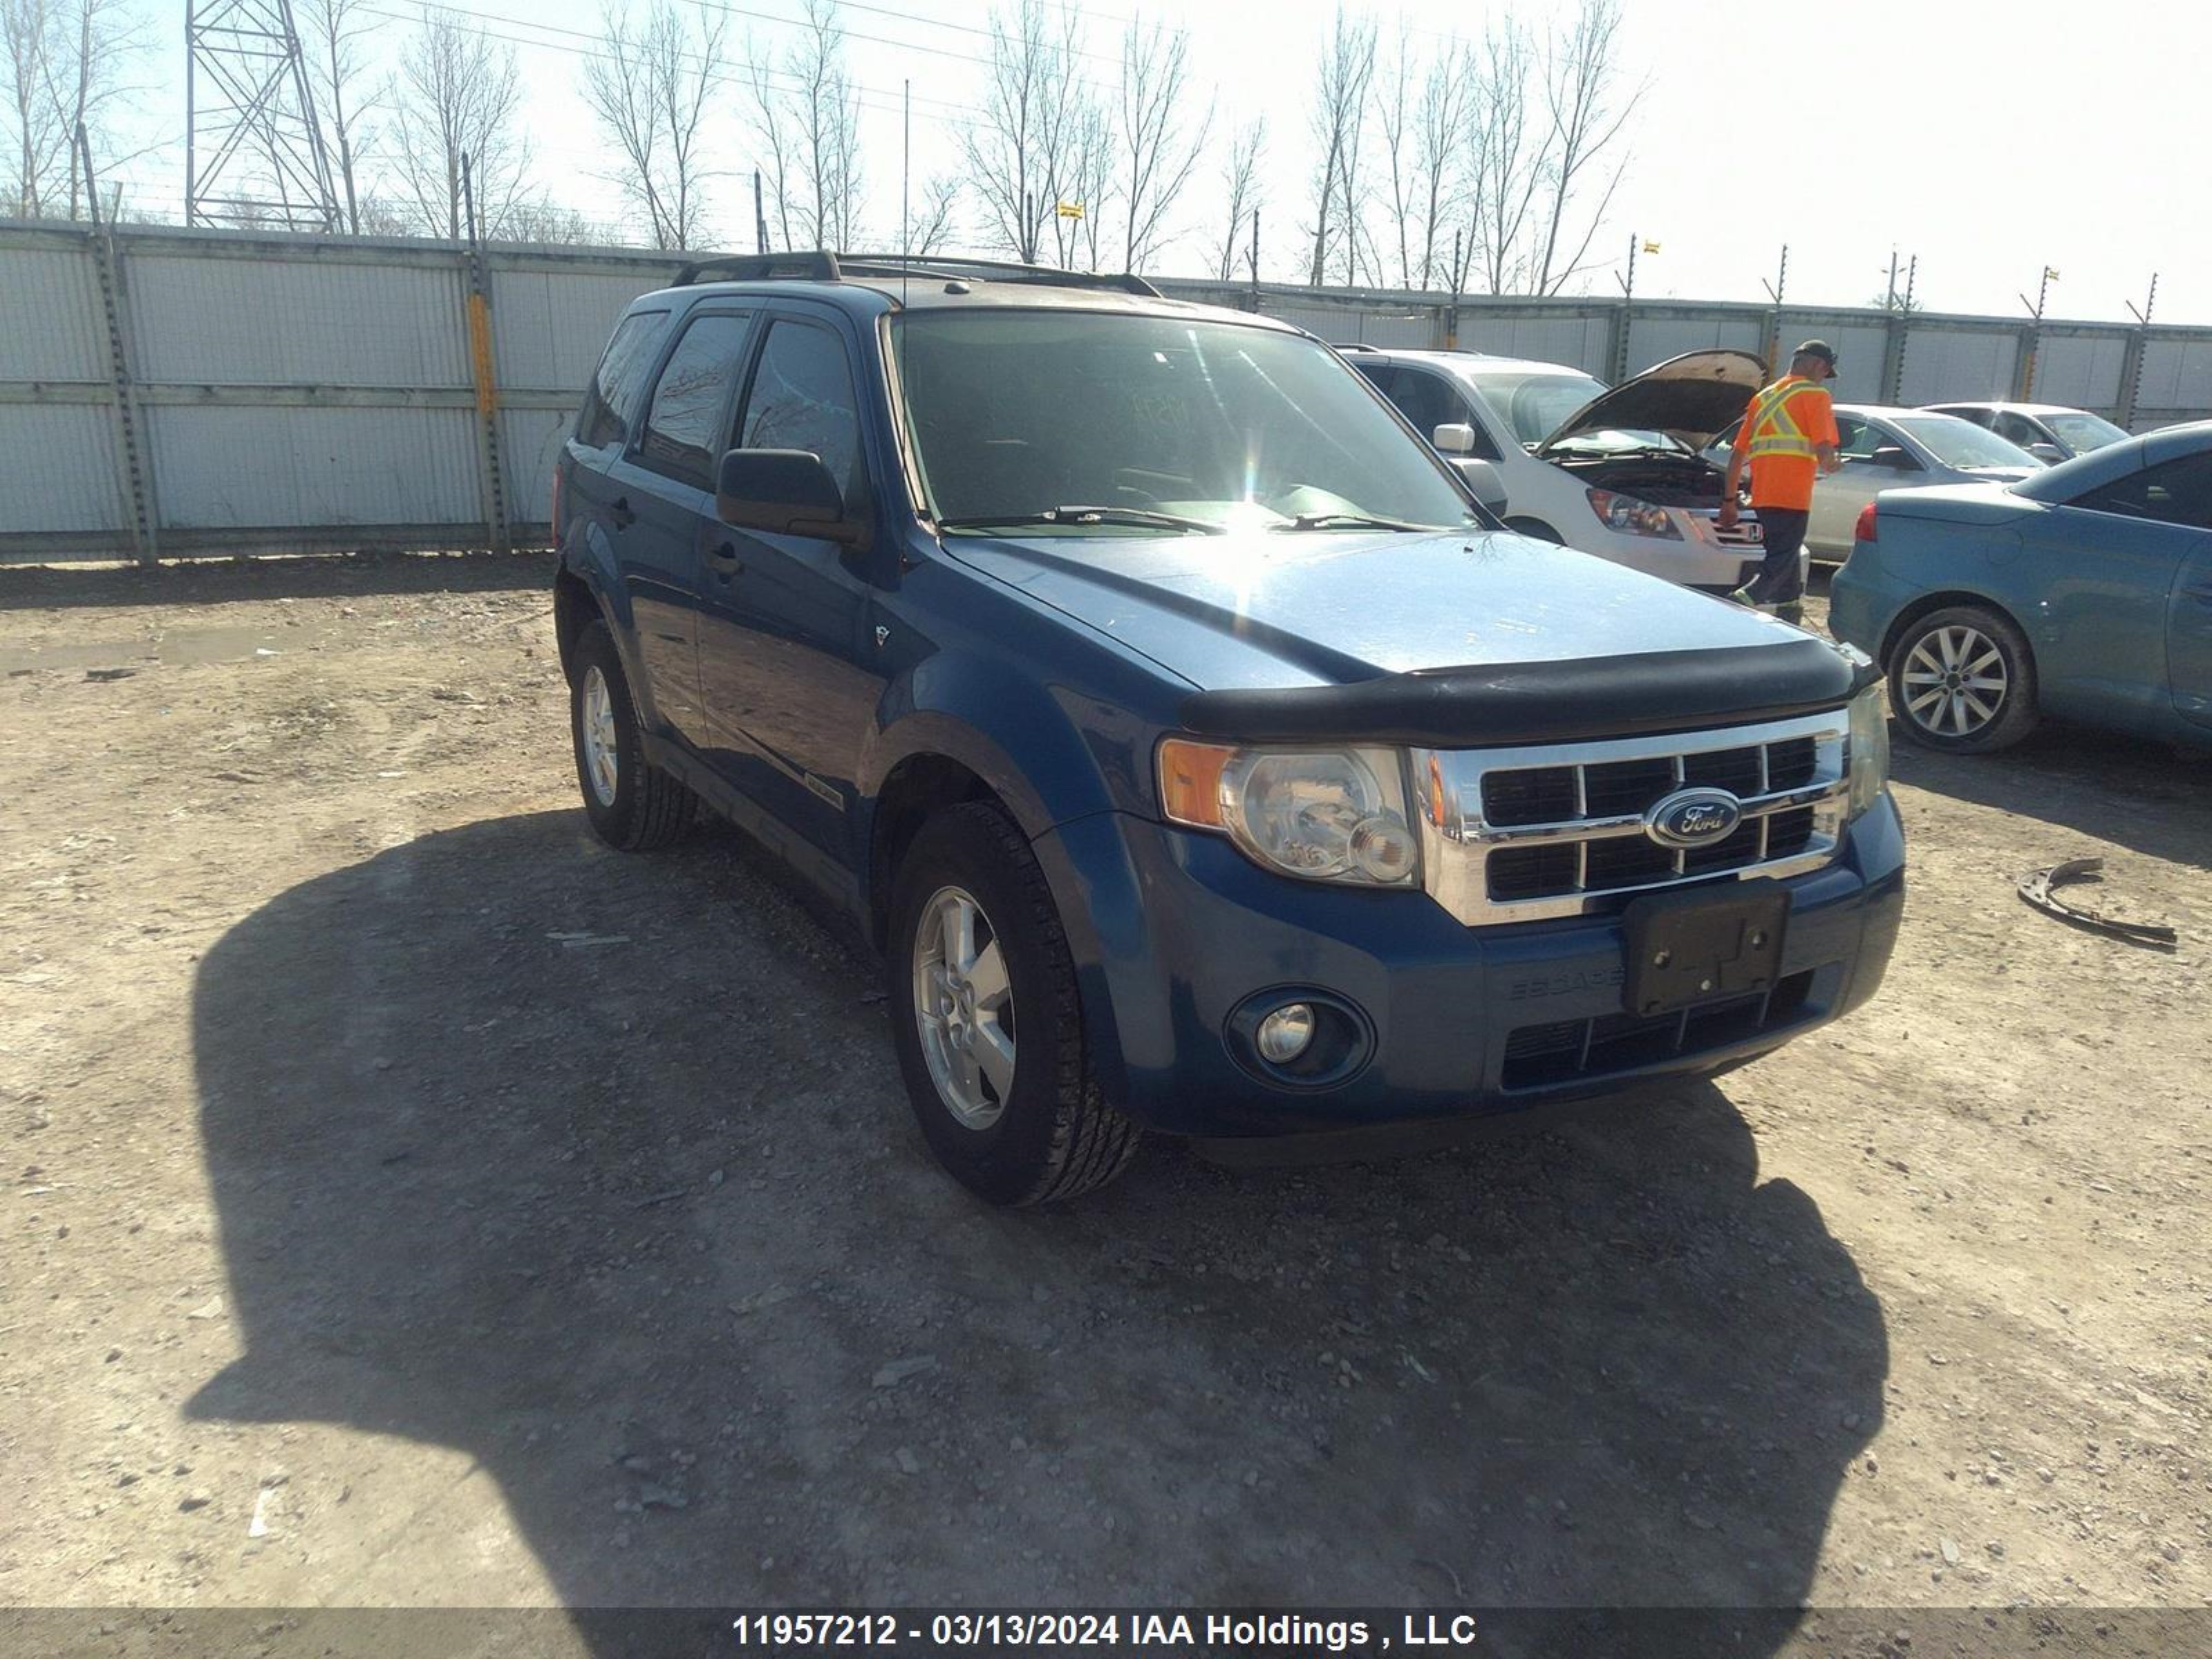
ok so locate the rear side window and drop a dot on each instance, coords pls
(611, 402)
(2173, 492)
(802, 398)
(684, 429)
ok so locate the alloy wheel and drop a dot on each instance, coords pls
(1955, 681)
(963, 1005)
(596, 730)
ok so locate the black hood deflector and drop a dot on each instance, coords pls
(1567, 701)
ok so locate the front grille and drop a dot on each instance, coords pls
(1745, 533)
(1562, 830)
(1568, 1050)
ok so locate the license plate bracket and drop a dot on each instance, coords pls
(1688, 947)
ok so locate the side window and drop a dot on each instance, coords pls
(1858, 439)
(611, 402)
(2173, 492)
(682, 428)
(802, 398)
(1430, 401)
(1384, 375)
(2012, 429)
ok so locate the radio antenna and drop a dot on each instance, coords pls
(906, 168)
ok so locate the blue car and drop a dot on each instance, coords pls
(2083, 593)
(1197, 753)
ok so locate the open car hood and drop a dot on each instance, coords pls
(1693, 397)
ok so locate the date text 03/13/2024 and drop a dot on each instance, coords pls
(993, 1631)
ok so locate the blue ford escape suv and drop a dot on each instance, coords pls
(1200, 755)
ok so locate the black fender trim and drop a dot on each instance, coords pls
(1565, 701)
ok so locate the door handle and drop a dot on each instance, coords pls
(725, 560)
(2201, 592)
(620, 513)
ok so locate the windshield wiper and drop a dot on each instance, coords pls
(1346, 521)
(1143, 517)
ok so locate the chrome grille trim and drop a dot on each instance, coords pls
(1458, 841)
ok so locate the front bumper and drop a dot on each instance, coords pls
(1173, 931)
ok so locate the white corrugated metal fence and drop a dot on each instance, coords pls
(167, 393)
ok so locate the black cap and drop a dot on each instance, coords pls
(1819, 349)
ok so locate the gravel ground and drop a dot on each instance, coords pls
(413, 1204)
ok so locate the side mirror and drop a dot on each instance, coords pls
(1454, 438)
(2049, 454)
(1483, 480)
(788, 492)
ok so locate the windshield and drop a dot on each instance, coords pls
(1536, 405)
(2082, 432)
(1151, 423)
(1961, 443)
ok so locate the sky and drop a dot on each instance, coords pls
(1990, 140)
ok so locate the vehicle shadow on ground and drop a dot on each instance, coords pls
(2141, 795)
(597, 1169)
(226, 581)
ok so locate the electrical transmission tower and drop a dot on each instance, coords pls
(253, 150)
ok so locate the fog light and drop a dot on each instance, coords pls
(1285, 1034)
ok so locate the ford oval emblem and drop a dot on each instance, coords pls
(1694, 817)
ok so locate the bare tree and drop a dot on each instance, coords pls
(458, 94)
(61, 63)
(1587, 111)
(31, 39)
(1340, 122)
(1505, 158)
(1246, 193)
(804, 108)
(1087, 184)
(766, 109)
(331, 31)
(540, 219)
(828, 107)
(1158, 150)
(935, 223)
(1439, 155)
(1017, 147)
(650, 91)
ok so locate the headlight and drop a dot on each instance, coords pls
(1631, 517)
(1336, 815)
(1869, 749)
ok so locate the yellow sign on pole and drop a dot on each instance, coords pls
(1071, 210)
(1651, 247)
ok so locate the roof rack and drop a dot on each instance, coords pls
(819, 266)
(1353, 346)
(823, 266)
(996, 270)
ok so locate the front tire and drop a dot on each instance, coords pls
(987, 1020)
(1962, 680)
(633, 805)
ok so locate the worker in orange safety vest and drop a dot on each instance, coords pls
(1788, 438)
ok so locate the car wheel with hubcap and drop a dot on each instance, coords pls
(1962, 679)
(633, 805)
(987, 1020)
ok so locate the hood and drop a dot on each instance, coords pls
(1279, 611)
(1695, 398)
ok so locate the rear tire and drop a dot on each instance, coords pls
(1962, 680)
(987, 1020)
(633, 805)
